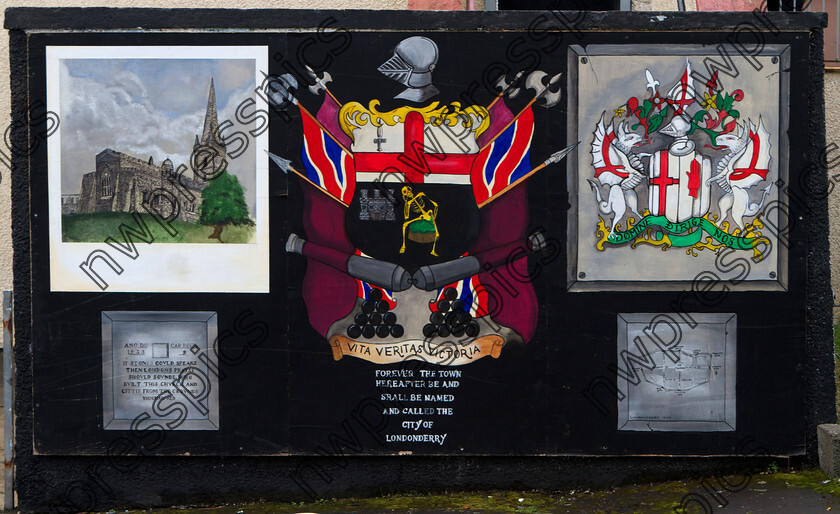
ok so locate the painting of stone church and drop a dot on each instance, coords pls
(124, 183)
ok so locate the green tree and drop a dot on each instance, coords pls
(222, 204)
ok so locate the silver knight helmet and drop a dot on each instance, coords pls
(412, 65)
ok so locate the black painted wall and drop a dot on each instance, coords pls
(63, 461)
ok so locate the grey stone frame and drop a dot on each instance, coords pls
(730, 323)
(109, 397)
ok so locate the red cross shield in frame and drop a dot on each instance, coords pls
(678, 187)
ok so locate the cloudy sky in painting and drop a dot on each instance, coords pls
(149, 107)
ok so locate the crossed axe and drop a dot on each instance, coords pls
(536, 80)
(279, 89)
(320, 83)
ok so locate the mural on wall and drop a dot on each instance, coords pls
(436, 219)
(155, 145)
(678, 168)
(416, 218)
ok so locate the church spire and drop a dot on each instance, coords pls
(211, 119)
(213, 152)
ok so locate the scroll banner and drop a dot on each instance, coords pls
(447, 353)
(679, 239)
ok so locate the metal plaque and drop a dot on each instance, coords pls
(156, 367)
(680, 371)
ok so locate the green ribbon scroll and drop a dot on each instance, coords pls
(677, 233)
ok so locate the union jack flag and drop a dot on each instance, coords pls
(505, 160)
(365, 289)
(471, 292)
(326, 163)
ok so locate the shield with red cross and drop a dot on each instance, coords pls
(413, 204)
(678, 187)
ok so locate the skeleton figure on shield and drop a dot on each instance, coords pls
(424, 219)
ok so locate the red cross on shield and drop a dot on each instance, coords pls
(678, 186)
(415, 165)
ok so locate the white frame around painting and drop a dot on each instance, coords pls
(159, 266)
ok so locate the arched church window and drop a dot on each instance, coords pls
(107, 186)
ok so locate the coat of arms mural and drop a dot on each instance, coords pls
(679, 158)
(416, 217)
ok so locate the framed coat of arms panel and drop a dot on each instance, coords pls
(679, 166)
